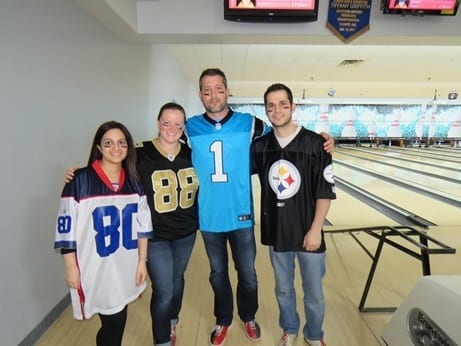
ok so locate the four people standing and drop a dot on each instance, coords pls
(220, 140)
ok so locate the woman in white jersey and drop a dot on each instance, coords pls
(102, 228)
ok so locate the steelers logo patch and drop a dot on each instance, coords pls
(284, 179)
(328, 174)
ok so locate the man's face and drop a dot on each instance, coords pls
(279, 110)
(214, 95)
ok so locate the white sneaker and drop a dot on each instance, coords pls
(315, 342)
(288, 339)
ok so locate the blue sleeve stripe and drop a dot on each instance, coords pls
(65, 244)
(148, 234)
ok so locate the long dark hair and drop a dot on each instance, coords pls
(129, 163)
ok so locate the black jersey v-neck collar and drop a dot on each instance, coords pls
(229, 114)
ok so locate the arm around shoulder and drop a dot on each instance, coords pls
(329, 145)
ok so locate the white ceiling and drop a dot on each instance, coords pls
(353, 71)
(408, 69)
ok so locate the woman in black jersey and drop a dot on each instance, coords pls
(170, 183)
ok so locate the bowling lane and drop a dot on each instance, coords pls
(431, 159)
(348, 212)
(447, 189)
(422, 155)
(370, 155)
(441, 149)
(454, 155)
(438, 212)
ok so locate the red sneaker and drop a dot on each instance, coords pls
(218, 335)
(252, 330)
(173, 335)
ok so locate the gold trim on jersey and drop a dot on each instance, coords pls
(169, 156)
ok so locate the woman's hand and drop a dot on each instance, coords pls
(69, 174)
(141, 272)
(72, 271)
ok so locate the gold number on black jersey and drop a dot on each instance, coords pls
(167, 195)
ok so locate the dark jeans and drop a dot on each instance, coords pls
(243, 250)
(167, 262)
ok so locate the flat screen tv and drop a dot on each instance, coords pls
(277, 11)
(421, 7)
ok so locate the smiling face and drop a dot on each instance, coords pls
(113, 147)
(171, 125)
(279, 109)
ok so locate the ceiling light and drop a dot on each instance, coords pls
(453, 95)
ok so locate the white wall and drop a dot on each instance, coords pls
(62, 74)
(168, 83)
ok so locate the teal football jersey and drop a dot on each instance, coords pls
(221, 158)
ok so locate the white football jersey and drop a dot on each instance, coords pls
(103, 226)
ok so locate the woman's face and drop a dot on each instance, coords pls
(113, 147)
(171, 125)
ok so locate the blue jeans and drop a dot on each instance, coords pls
(312, 268)
(243, 249)
(167, 262)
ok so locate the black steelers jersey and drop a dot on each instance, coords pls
(171, 187)
(292, 179)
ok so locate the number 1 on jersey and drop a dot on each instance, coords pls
(218, 176)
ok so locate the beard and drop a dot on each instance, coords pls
(218, 108)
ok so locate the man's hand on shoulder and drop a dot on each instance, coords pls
(329, 144)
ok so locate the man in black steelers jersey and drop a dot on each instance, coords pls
(297, 186)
